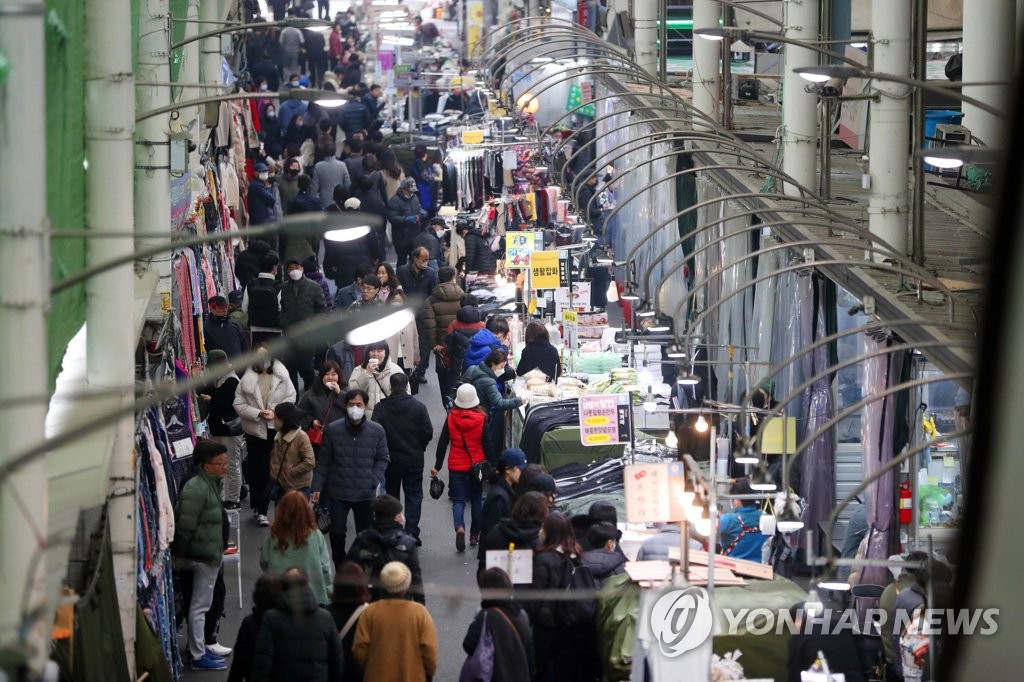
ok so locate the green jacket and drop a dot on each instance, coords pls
(486, 384)
(199, 520)
(300, 301)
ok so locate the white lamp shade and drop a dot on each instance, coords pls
(613, 292)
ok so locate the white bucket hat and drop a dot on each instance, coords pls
(466, 397)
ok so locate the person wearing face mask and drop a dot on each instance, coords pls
(262, 387)
(374, 375)
(301, 299)
(288, 183)
(350, 469)
(261, 196)
(485, 377)
(220, 331)
(430, 239)
(404, 214)
(270, 128)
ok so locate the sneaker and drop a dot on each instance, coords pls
(460, 539)
(209, 662)
(261, 519)
(218, 649)
(232, 505)
(421, 378)
(474, 539)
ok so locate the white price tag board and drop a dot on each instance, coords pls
(517, 563)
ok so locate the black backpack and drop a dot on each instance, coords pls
(372, 556)
(580, 606)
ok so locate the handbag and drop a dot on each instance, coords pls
(479, 667)
(234, 426)
(316, 433)
(481, 471)
(323, 517)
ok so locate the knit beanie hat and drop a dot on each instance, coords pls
(386, 507)
(215, 355)
(395, 577)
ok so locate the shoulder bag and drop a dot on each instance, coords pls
(316, 433)
(351, 620)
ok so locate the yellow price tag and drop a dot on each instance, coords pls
(599, 420)
(598, 438)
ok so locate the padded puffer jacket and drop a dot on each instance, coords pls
(352, 461)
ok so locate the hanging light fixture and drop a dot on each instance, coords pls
(670, 440)
(661, 324)
(649, 405)
(702, 424)
(630, 293)
(832, 582)
(604, 258)
(646, 311)
(613, 292)
(747, 456)
(789, 521)
(762, 481)
(676, 351)
(688, 379)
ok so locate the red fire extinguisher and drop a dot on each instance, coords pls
(906, 503)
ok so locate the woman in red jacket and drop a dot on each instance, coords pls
(466, 428)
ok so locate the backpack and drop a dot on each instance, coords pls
(263, 303)
(479, 667)
(372, 557)
(576, 609)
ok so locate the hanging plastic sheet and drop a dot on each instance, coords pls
(818, 462)
(764, 312)
(877, 430)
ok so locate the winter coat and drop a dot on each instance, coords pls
(498, 504)
(354, 162)
(396, 641)
(248, 262)
(466, 433)
(512, 638)
(297, 641)
(245, 645)
(288, 188)
(508, 531)
(540, 355)
(414, 283)
(428, 239)
(314, 403)
(341, 614)
(314, 558)
(441, 310)
(604, 563)
(480, 346)
(303, 202)
(459, 335)
(400, 209)
(261, 203)
(300, 301)
(327, 175)
(342, 258)
(352, 461)
(404, 345)
(407, 423)
(549, 573)
(346, 295)
(373, 199)
(222, 405)
(384, 543)
(353, 116)
(262, 302)
(486, 384)
(248, 400)
(318, 277)
(292, 460)
(479, 257)
(376, 384)
(223, 333)
(586, 193)
(198, 520)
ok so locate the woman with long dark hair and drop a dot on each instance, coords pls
(508, 625)
(292, 459)
(389, 282)
(423, 174)
(295, 541)
(322, 404)
(539, 353)
(565, 651)
(392, 172)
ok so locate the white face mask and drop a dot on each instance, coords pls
(296, 275)
(267, 364)
(356, 413)
(263, 176)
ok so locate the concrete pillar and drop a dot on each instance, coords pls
(25, 608)
(110, 346)
(707, 70)
(889, 127)
(645, 34)
(799, 108)
(989, 42)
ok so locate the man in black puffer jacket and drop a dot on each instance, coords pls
(387, 542)
(297, 640)
(407, 423)
(404, 214)
(249, 262)
(352, 461)
(479, 257)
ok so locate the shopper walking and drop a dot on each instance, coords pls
(198, 545)
(396, 640)
(301, 300)
(328, 174)
(440, 311)
(349, 600)
(404, 214)
(321, 405)
(224, 424)
(386, 541)
(521, 529)
(373, 376)
(262, 387)
(498, 504)
(351, 466)
(295, 540)
(297, 639)
(265, 596)
(484, 377)
(220, 331)
(466, 430)
(508, 626)
(291, 460)
(419, 280)
(407, 423)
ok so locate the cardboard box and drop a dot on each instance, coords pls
(750, 569)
